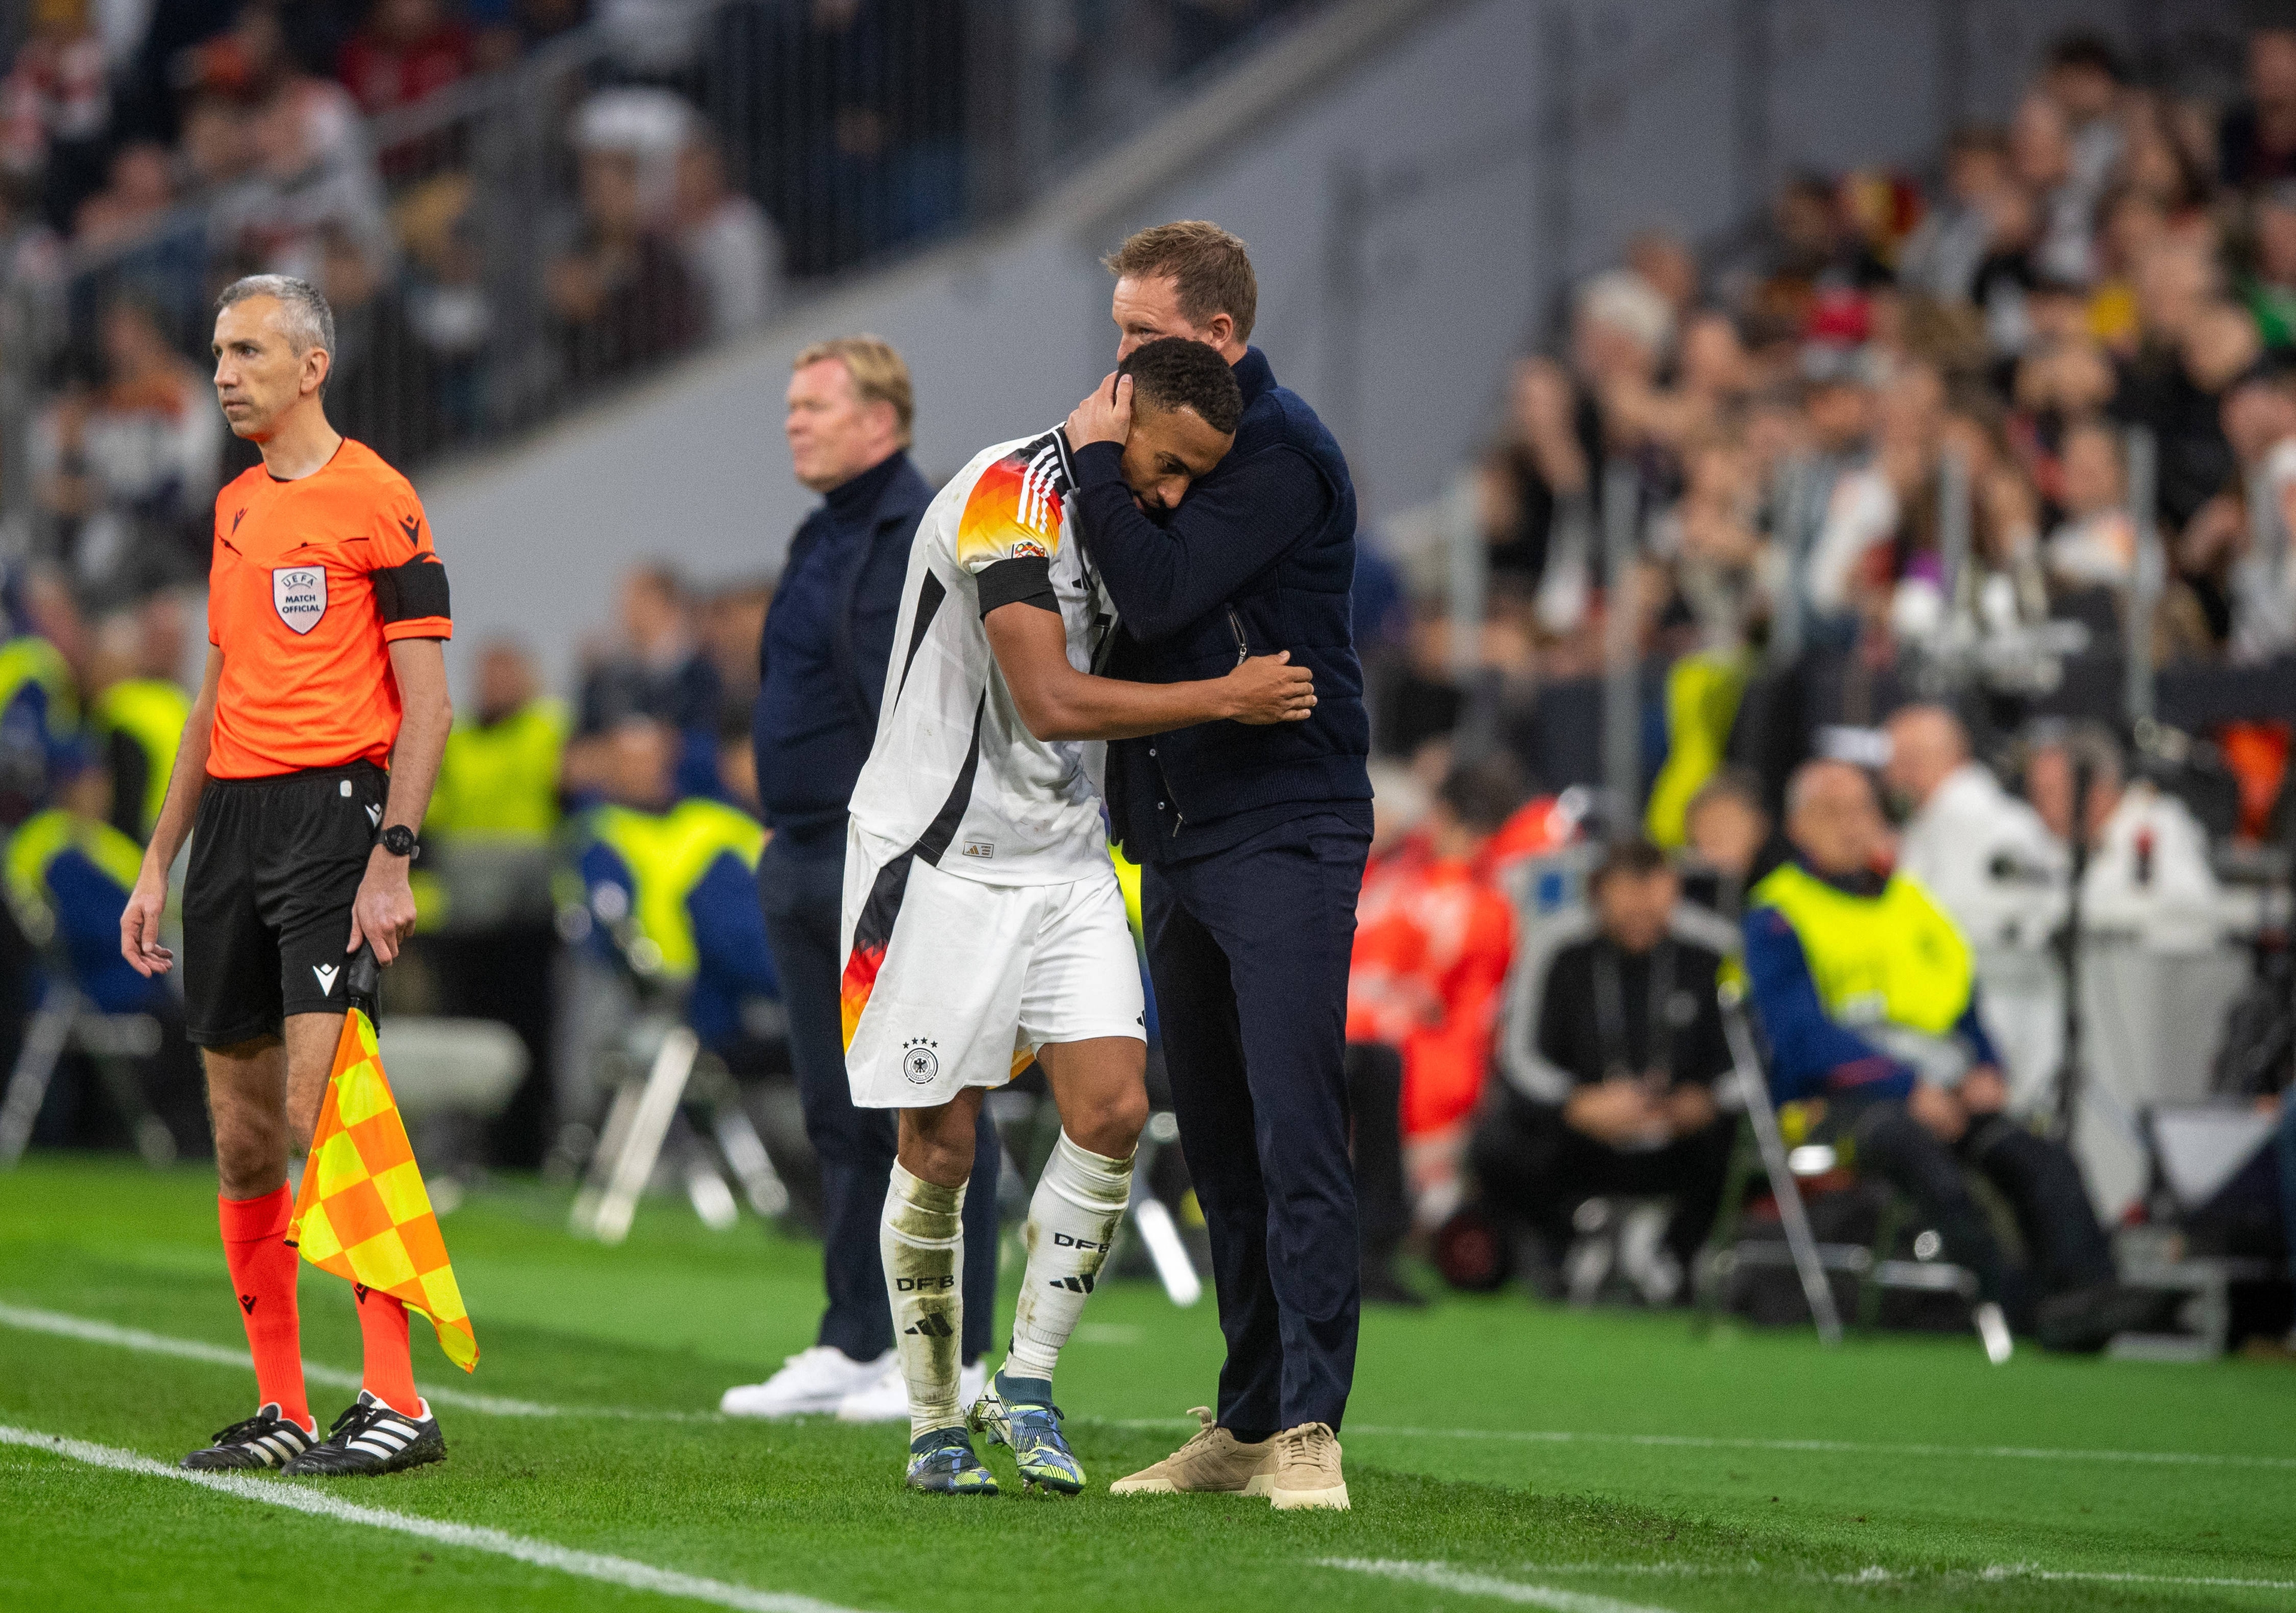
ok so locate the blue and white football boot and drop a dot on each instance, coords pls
(942, 1462)
(1020, 1413)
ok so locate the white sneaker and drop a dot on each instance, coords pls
(818, 1380)
(1993, 1329)
(887, 1399)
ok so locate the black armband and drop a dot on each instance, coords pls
(1023, 579)
(413, 591)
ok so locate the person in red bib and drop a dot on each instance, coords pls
(306, 766)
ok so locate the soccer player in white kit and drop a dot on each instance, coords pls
(983, 924)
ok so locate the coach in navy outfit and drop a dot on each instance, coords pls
(827, 639)
(1252, 840)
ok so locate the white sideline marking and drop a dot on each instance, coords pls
(540, 1553)
(88, 1330)
(1825, 1447)
(1442, 1577)
(2211, 1581)
(1467, 1583)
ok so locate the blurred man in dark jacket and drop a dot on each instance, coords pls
(822, 674)
(1616, 1065)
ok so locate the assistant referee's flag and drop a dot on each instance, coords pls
(362, 1211)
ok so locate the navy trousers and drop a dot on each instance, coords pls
(1248, 949)
(856, 1146)
(2064, 1246)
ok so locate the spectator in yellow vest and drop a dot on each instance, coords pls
(139, 708)
(500, 776)
(1867, 997)
(484, 888)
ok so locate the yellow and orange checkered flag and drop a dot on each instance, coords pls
(362, 1211)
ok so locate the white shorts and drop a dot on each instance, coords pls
(949, 982)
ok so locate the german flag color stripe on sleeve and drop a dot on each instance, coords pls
(1013, 511)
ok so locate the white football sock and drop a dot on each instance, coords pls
(1073, 1219)
(921, 1239)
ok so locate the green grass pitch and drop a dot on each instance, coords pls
(1736, 1471)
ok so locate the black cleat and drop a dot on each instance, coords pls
(264, 1440)
(370, 1437)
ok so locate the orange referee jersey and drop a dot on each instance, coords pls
(311, 581)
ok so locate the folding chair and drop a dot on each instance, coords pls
(1872, 1271)
(1809, 1259)
(665, 1073)
(68, 1021)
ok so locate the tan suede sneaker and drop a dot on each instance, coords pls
(1214, 1462)
(1307, 1469)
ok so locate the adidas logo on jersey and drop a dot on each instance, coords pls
(935, 1326)
(1043, 484)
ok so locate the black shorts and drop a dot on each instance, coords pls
(275, 863)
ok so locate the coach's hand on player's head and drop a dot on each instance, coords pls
(139, 923)
(1104, 417)
(1267, 689)
(382, 913)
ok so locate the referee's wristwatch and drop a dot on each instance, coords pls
(399, 841)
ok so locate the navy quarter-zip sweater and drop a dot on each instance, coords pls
(822, 659)
(1259, 556)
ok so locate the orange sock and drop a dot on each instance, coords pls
(389, 1373)
(263, 1269)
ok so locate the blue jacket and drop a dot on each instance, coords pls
(821, 662)
(68, 881)
(724, 927)
(39, 720)
(1261, 556)
(1813, 1054)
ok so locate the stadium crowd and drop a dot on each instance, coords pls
(1892, 481)
(508, 203)
(1885, 479)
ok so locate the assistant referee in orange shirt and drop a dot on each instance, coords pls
(304, 768)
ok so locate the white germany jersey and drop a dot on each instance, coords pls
(954, 777)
